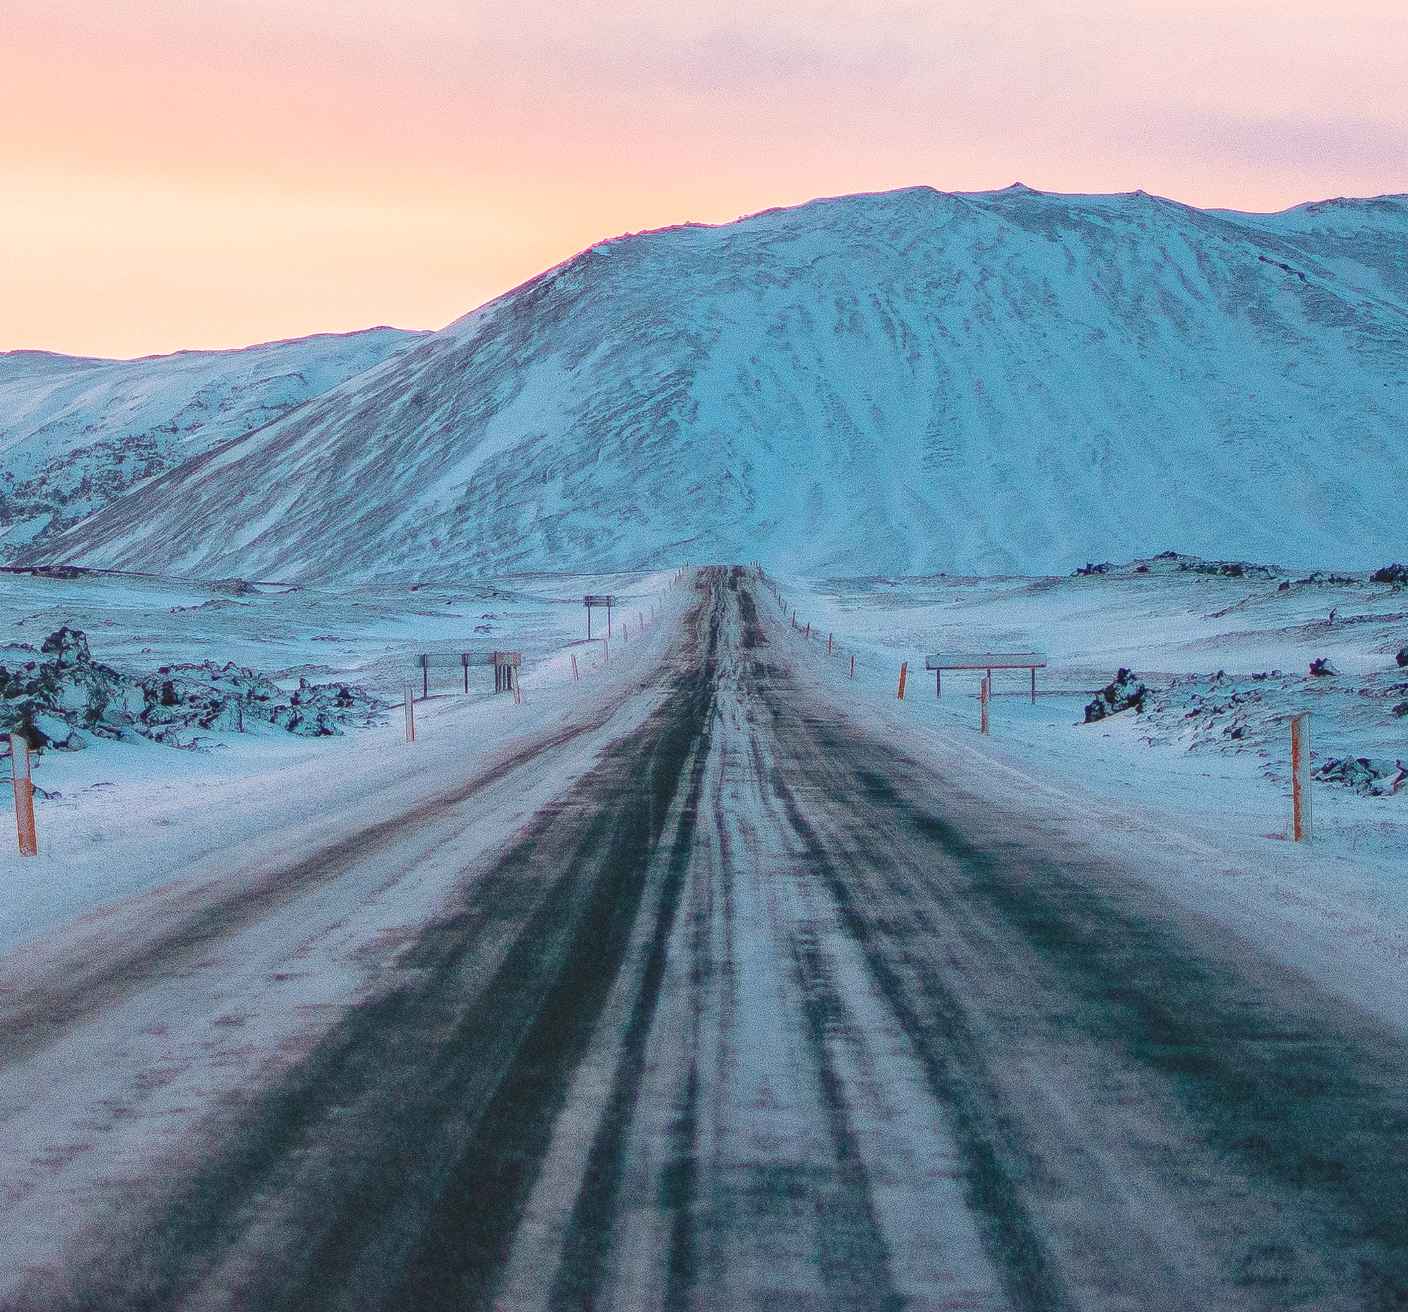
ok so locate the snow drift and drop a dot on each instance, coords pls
(897, 383)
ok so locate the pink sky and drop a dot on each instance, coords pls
(203, 173)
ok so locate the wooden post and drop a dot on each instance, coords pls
(24, 795)
(904, 674)
(589, 623)
(574, 667)
(1033, 685)
(608, 619)
(853, 666)
(938, 683)
(829, 636)
(464, 660)
(425, 678)
(1300, 778)
(983, 700)
(410, 714)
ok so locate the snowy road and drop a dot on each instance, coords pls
(753, 1011)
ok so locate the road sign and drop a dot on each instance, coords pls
(984, 660)
(607, 599)
(505, 664)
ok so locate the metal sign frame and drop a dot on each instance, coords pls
(607, 599)
(984, 660)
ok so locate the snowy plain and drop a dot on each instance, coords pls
(121, 867)
(1208, 817)
(126, 816)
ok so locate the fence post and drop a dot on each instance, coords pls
(574, 667)
(983, 699)
(904, 674)
(24, 795)
(410, 714)
(1300, 777)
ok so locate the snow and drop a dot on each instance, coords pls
(907, 382)
(1208, 826)
(131, 816)
(75, 433)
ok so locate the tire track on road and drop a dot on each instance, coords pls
(1292, 1104)
(34, 1016)
(362, 1179)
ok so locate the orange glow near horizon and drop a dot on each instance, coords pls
(210, 173)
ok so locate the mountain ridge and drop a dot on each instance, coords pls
(903, 381)
(76, 432)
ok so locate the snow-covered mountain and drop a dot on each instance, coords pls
(907, 382)
(76, 433)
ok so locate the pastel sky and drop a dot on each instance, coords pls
(205, 173)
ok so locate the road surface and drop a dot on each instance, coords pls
(754, 1013)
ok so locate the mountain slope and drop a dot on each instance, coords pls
(77, 433)
(904, 382)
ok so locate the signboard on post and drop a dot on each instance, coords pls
(606, 599)
(984, 660)
(506, 665)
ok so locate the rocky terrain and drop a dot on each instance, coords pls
(60, 697)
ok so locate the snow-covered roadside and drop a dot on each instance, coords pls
(1203, 828)
(135, 815)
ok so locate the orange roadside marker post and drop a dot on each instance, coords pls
(1300, 778)
(24, 795)
(904, 674)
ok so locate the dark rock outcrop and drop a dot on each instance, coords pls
(1121, 694)
(64, 695)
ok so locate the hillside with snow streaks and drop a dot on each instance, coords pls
(906, 382)
(77, 433)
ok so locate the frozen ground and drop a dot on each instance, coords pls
(1226, 794)
(127, 816)
(715, 980)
